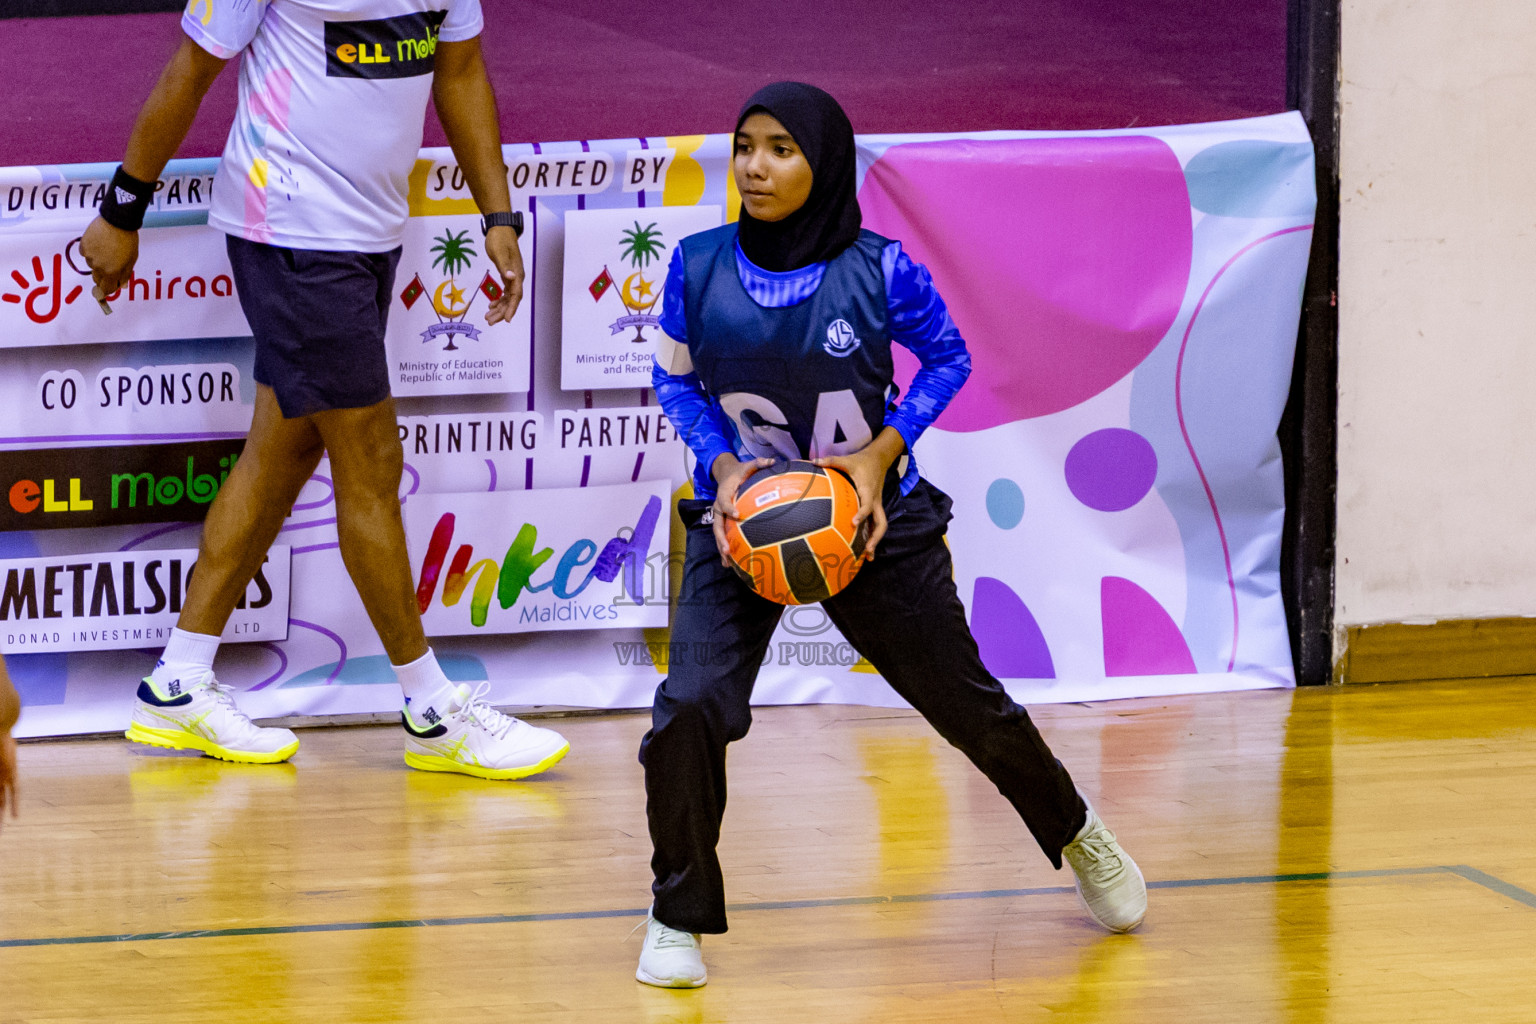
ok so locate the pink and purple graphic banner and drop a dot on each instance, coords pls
(1130, 299)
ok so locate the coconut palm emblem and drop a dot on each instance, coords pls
(640, 246)
(450, 302)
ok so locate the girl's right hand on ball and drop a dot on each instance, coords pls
(730, 473)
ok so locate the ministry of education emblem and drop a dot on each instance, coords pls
(450, 302)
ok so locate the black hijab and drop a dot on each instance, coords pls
(829, 221)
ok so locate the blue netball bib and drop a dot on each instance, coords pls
(801, 381)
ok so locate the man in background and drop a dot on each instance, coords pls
(312, 194)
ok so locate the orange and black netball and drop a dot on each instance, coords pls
(793, 540)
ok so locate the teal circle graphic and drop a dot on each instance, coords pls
(1005, 503)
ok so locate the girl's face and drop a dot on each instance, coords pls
(772, 174)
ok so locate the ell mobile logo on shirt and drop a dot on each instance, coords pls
(402, 47)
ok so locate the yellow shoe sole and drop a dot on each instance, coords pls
(180, 739)
(433, 763)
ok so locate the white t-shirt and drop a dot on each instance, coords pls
(333, 94)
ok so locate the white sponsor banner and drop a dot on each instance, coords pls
(437, 339)
(1117, 491)
(531, 561)
(615, 269)
(181, 287)
(124, 600)
(128, 391)
(67, 198)
(530, 174)
(126, 400)
(471, 451)
(616, 445)
(637, 428)
(510, 451)
(646, 168)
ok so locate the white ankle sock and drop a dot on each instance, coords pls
(187, 659)
(425, 687)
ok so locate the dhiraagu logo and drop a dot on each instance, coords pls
(528, 568)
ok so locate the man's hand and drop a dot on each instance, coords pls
(867, 468)
(467, 108)
(161, 125)
(501, 246)
(730, 473)
(110, 253)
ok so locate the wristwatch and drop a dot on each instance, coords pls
(502, 220)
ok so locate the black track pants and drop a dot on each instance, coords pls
(902, 613)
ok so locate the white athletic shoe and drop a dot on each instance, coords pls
(670, 958)
(201, 715)
(1108, 881)
(473, 738)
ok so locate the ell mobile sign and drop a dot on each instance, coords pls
(54, 488)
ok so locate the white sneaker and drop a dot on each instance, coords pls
(1108, 881)
(473, 738)
(201, 715)
(670, 958)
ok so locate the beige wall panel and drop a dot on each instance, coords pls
(1437, 308)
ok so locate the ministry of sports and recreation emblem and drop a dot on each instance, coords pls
(450, 303)
(639, 294)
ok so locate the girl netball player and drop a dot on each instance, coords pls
(775, 327)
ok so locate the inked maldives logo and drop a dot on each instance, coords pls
(507, 579)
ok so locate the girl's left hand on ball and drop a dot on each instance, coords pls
(867, 469)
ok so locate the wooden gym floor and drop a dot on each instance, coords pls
(1340, 855)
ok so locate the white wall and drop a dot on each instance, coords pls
(1437, 311)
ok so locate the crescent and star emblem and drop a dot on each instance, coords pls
(455, 295)
(646, 297)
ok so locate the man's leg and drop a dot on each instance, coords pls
(280, 456)
(448, 728)
(180, 704)
(366, 465)
(10, 708)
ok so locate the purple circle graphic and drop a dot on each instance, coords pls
(1111, 470)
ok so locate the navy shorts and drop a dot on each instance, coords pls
(318, 319)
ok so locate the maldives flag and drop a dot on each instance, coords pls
(601, 285)
(413, 291)
(490, 287)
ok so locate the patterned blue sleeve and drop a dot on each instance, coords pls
(921, 322)
(673, 318)
(697, 417)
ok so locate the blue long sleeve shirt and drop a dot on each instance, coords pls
(919, 321)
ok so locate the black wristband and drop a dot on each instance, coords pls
(127, 199)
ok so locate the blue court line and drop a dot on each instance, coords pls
(1470, 874)
(1498, 885)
